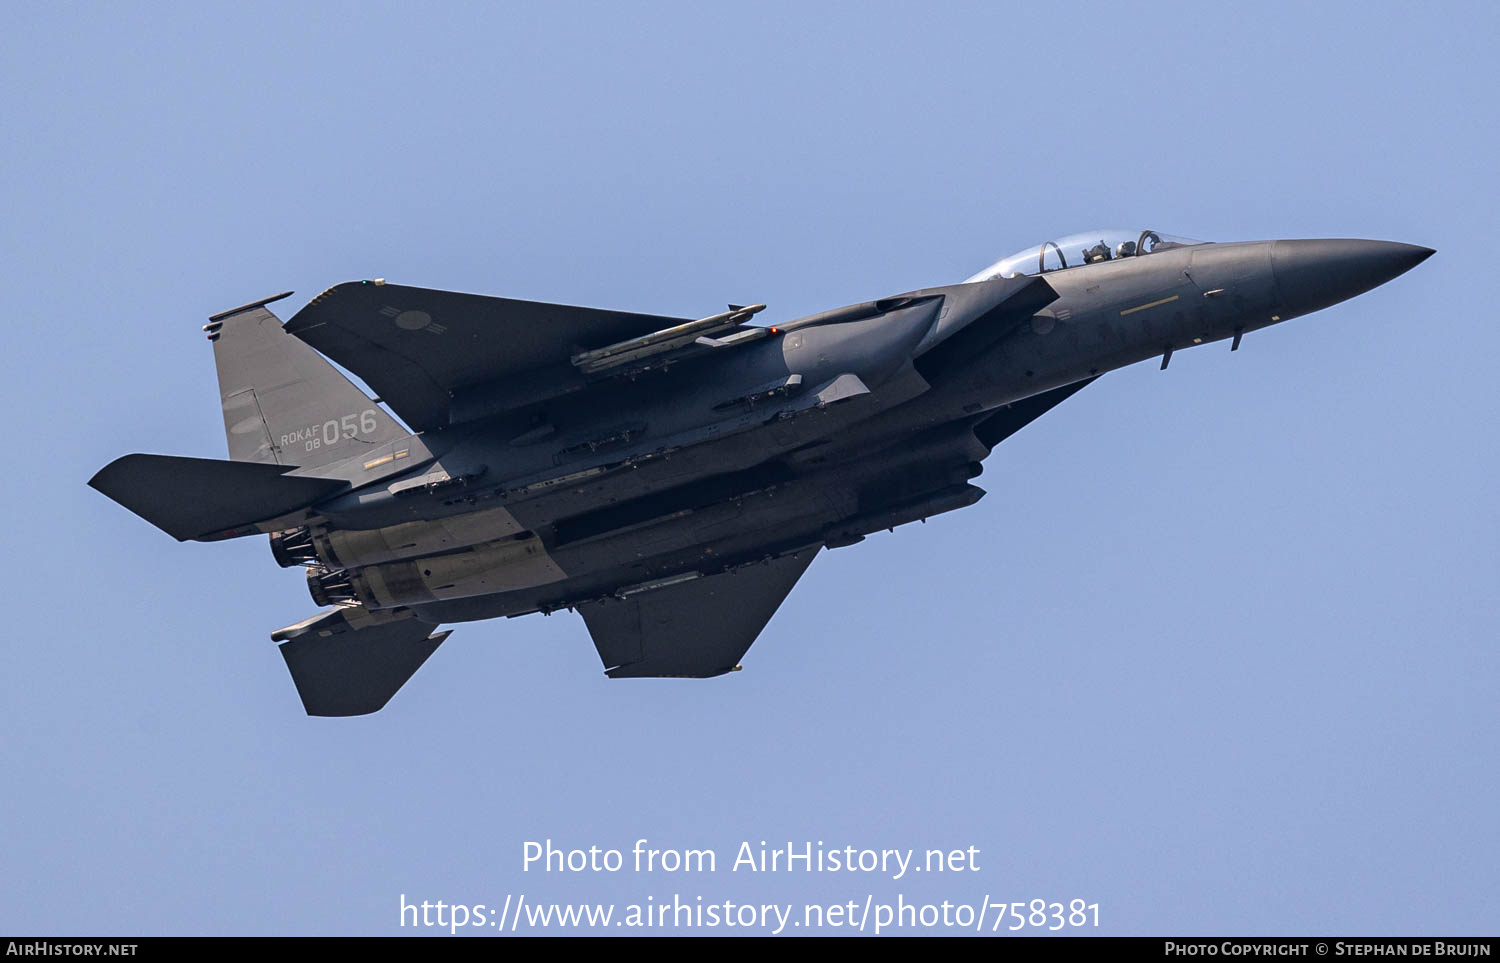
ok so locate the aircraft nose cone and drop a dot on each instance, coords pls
(1313, 274)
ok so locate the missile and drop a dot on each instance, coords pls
(666, 339)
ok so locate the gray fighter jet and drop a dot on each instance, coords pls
(668, 479)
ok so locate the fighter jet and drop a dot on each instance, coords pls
(668, 479)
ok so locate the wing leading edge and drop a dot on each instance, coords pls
(996, 427)
(692, 629)
(415, 346)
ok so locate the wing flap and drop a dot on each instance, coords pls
(415, 346)
(694, 628)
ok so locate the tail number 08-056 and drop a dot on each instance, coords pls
(331, 431)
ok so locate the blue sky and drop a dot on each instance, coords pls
(1217, 652)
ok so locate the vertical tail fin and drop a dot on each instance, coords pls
(283, 403)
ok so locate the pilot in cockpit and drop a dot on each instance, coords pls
(1084, 248)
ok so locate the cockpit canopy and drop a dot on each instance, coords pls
(1089, 247)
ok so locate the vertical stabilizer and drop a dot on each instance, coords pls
(283, 403)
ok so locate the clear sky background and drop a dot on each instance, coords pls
(1218, 652)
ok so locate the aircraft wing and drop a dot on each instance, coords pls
(996, 427)
(415, 346)
(692, 629)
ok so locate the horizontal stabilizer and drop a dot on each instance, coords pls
(343, 670)
(695, 627)
(206, 499)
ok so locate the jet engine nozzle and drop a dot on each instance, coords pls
(1313, 274)
(330, 586)
(294, 547)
